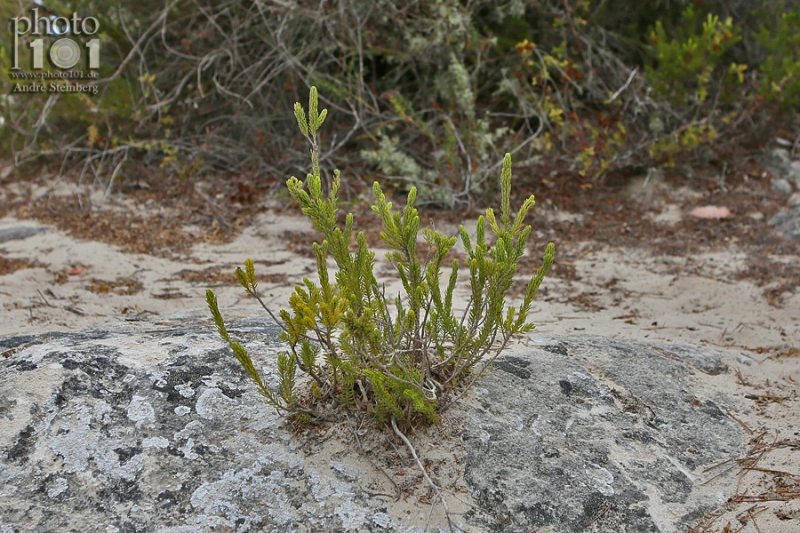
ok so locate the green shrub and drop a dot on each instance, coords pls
(780, 79)
(685, 63)
(692, 72)
(402, 358)
(428, 94)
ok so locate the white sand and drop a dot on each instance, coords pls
(686, 300)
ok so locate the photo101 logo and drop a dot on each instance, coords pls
(67, 43)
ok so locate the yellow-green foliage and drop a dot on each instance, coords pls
(405, 357)
(781, 69)
(433, 92)
(683, 140)
(685, 63)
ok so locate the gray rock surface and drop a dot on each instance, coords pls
(785, 173)
(781, 165)
(20, 232)
(588, 434)
(154, 427)
(794, 173)
(781, 186)
(788, 222)
(130, 431)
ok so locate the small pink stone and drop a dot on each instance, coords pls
(711, 211)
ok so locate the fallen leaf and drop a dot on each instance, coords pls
(711, 211)
(76, 271)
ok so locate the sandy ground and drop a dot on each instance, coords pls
(61, 282)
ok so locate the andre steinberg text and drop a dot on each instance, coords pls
(54, 88)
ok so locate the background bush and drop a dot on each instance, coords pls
(426, 93)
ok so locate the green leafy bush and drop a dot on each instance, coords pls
(686, 62)
(781, 68)
(690, 68)
(428, 94)
(402, 358)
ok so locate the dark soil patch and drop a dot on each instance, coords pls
(224, 275)
(123, 287)
(8, 266)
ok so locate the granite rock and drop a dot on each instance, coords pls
(781, 186)
(154, 427)
(20, 232)
(781, 165)
(788, 222)
(589, 434)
